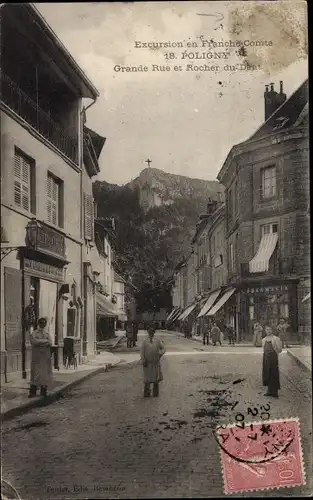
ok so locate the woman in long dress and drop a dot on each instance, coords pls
(257, 336)
(41, 367)
(272, 347)
(152, 350)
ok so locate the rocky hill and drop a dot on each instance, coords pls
(156, 188)
(155, 217)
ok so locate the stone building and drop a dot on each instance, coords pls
(266, 179)
(42, 230)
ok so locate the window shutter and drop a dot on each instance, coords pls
(52, 200)
(13, 308)
(21, 182)
(89, 216)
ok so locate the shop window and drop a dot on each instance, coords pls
(24, 182)
(54, 200)
(268, 182)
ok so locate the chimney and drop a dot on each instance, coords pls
(272, 100)
(211, 206)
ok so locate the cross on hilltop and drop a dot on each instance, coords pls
(148, 161)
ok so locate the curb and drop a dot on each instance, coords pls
(299, 363)
(51, 397)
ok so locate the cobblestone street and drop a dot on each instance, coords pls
(104, 440)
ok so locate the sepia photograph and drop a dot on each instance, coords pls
(155, 250)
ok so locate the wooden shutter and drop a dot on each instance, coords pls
(88, 217)
(52, 200)
(13, 308)
(21, 181)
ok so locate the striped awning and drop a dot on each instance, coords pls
(176, 314)
(260, 262)
(173, 311)
(188, 311)
(209, 303)
(221, 302)
(105, 307)
(307, 297)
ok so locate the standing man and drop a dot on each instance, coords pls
(30, 317)
(230, 334)
(282, 328)
(152, 350)
(129, 333)
(206, 334)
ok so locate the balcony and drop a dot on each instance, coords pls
(19, 102)
(277, 267)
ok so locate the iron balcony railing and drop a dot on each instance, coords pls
(17, 100)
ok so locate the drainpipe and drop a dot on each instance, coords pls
(81, 164)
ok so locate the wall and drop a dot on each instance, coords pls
(218, 247)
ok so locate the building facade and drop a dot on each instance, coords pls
(266, 180)
(41, 191)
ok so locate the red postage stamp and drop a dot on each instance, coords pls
(261, 455)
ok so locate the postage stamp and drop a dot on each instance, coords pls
(261, 455)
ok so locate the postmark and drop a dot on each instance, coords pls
(261, 455)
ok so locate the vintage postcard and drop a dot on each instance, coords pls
(155, 250)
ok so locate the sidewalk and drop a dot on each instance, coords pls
(302, 356)
(14, 395)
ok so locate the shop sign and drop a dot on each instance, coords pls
(45, 239)
(271, 289)
(43, 270)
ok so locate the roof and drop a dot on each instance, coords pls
(287, 114)
(46, 38)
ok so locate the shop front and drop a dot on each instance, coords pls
(44, 290)
(267, 304)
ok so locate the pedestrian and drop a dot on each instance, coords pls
(257, 334)
(135, 333)
(206, 334)
(41, 367)
(281, 329)
(152, 350)
(272, 346)
(129, 333)
(216, 334)
(230, 334)
(30, 317)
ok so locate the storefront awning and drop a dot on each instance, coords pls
(307, 297)
(104, 307)
(221, 302)
(173, 311)
(209, 303)
(260, 262)
(176, 314)
(187, 312)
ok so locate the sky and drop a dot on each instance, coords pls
(184, 121)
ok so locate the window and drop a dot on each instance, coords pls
(54, 200)
(24, 177)
(88, 217)
(268, 182)
(269, 228)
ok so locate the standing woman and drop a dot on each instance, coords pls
(41, 367)
(257, 335)
(271, 348)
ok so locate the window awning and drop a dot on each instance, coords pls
(209, 303)
(221, 302)
(260, 262)
(307, 297)
(187, 312)
(104, 307)
(173, 311)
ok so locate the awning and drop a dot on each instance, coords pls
(173, 311)
(105, 307)
(209, 303)
(176, 314)
(187, 312)
(221, 302)
(260, 262)
(307, 297)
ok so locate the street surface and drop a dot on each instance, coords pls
(104, 440)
